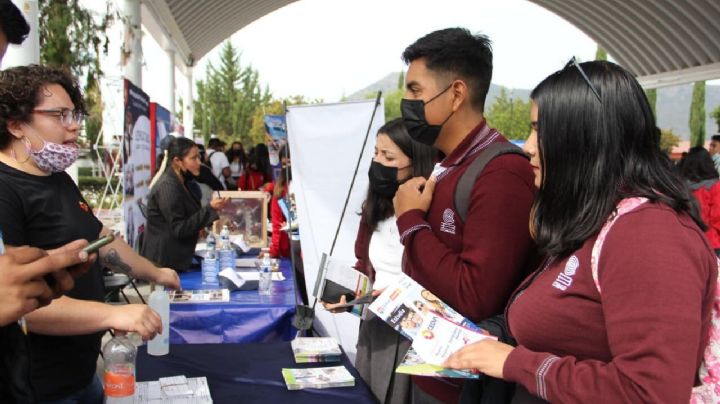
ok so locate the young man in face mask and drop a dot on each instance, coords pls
(472, 264)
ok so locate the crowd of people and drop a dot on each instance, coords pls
(591, 258)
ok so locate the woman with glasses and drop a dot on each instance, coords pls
(41, 111)
(620, 311)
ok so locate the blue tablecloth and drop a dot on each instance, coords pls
(247, 373)
(247, 317)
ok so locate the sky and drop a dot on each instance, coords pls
(325, 49)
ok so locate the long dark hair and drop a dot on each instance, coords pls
(377, 208)
(179, 147)
(595, 152)
(232, 154)
(698, 165)
(262, 161)
(285, 172)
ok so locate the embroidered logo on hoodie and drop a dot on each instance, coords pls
(565, 278)
(448, 223)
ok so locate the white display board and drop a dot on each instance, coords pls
(325, 143)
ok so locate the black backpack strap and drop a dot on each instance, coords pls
(467, 181)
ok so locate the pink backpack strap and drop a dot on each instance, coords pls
(624, 206)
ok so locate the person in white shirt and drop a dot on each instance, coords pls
(219, 161)
(379, 255)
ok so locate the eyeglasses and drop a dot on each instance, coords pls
(67, 116)
(574, 62)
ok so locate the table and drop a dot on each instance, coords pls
(247, 317)
(247, 373)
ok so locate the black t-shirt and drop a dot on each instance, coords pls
(48, 212)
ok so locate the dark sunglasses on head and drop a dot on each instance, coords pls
(574, 62)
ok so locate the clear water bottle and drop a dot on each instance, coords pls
(210, 240)
(265, 283)
(160, 302)
(210, 267)
(119, 375)
(227, 251)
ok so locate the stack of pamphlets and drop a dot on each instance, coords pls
(435, 328)
(319, 349)
(317, 378)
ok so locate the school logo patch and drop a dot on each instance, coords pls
(448, 222)
(565, 278)
(85, 208)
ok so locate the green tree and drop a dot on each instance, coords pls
(401, 80)
(510, 116)
(697, 115)
(715, 114)
(651, 94)
(600, 53)
(392, 104)
(228, 98)
(257, 132)
(72, 38)
(668, 140)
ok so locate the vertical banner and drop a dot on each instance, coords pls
(136, 161)
(276, 128)
(326, 141)
(161, 125)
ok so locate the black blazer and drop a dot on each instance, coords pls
(174, 219)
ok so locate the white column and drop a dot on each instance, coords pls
(170, 91)
(29, 51)
(132, 46)
(188, 105)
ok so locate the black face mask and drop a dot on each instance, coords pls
(383, 179)
(413, 115)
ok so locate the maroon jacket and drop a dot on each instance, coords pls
(472, 266)
(642, 340)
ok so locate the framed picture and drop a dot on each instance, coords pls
(245, 214)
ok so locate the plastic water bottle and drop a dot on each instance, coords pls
(210, 241)
(265, 283)
(226, 252)
(119, 376)
(210, 266)
(160, 302)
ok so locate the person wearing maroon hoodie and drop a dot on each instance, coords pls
(638, 335)
(473, 264)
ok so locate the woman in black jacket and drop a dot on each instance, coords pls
(174, 214)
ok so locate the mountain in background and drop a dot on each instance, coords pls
(673, 103)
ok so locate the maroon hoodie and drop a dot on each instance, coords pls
(472, 266)
(642, 340)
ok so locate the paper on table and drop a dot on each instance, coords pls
(254, 275)
(152, 393)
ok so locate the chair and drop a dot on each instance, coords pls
(115, 284)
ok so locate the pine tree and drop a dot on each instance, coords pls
(697, 115)
(651, 95)
(601, 53)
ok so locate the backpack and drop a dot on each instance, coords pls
(708, 392)
(468, 178)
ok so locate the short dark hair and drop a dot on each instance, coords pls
(457, 52)
(594, 153)
(21, 90)
(13, 23)
(715, 138)
(697, 165)
(377, 207)
(215, 142)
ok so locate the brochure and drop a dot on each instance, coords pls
(312, 349)
(199, 296)
(406, 304)
(337, 278)
(413, 364)
(173, 390)
(318, 378)
(439, 338)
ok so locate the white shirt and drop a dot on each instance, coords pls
(219, 161)
(386, 253)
